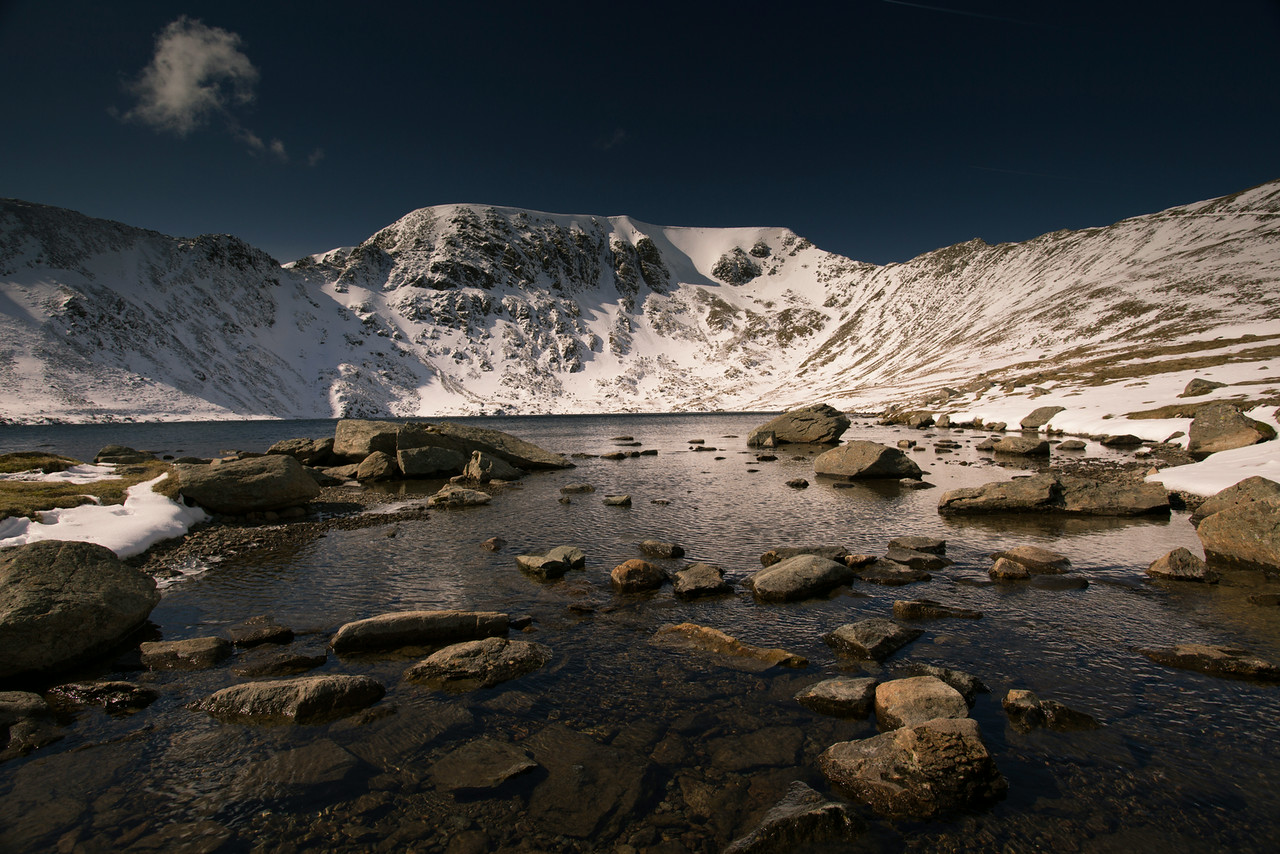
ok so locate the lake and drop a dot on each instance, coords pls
(642, 748)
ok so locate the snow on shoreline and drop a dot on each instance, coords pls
(128, 529)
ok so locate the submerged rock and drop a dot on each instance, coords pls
(929, 609)
(801, 820)
(890, 573)
(1027, 711)
(481, 764)
(479, 663)
(660, 549)
(191, 654)
(693, 636)
(1215, 661)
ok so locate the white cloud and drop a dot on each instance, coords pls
(197, 72)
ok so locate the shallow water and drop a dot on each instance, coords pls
(661, 750)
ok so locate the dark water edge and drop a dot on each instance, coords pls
(646, 749)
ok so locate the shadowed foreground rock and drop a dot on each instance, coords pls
(252, 485)
(920, 772)
(803, 818)
(417, 628)
(65, 602)
(304, 700)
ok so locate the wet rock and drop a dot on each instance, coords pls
(1023, 446)
(928, 609)
(1181, 565)
(617, 500)
(62, 603)
(636, 576)
(817, 424)
(967, 684)
(836, 553)
(1247, 491)
(483, 468)
(253, 485)
(890, 573)
(26, 724)
(1007, 570)
(494, 544)
(572, 555)
(377, 466)
(191, 654)
(916, 699)
(921, 772)
(417, 628)
(1059, 582)
(866, 460)
(116, 697)
(1036, 559)
(775, 746)
(542, 567)
(932, 545)
(1027, 711)
(266, 661)
(700, 580)
(258, 630)
(430, 462)
(1199, 386)
(452, 495)
(1215, 661)
(874, 638)
(322, 765)
(916, 559)
(302, 700)
(660, 549)
(481, 764)
(1246, 535)
(988, 444)
(478, 664)
(798, 483)
(1072, 445)
(577, 488)
(842, 696)
(804, 576)
(801, 820)
(1040, 417)
(692, 636)
(1046, 493)
(1222, 427)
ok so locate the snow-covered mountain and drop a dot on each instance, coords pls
(463, 309)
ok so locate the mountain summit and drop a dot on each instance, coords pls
(467, 309)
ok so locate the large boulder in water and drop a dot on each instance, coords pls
(252, 485)
(859, 459)
(817, 424)
(801, 577)
(1058, 494)
(354, 439)
(63, 602)
(469, 439)
(1222, 427)
(1248, 535)
(417, 628)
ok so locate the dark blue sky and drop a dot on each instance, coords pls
(877, 129)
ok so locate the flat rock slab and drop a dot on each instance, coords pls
(1027, 712)
(417, 628)
(874, 638)
(303, 700)
(115, 697)
(922, 772)
(321, 765)
(802, 820)
(692, 636)
(916, 699)
(841, 697)
(258, 630)
(191, 654)
(478, 664)
(700, 580)
(1047, 493)
(481, 764)
(861, 460)
(804, 576)
(64, 602)
(929, 609)
(928, 561)
(1215, 661)
(933, 545)
(468, 439)
(1181, 565)
(268, 661)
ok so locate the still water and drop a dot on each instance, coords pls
(641, 747)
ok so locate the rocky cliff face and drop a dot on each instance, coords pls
(466, 309)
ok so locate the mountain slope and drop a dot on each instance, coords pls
(466, 309)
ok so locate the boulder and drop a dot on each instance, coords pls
(1040, 417)
(928, 609)
(916, 699)
(572, 555)
(700, 580)
(190, 654)
(836, 553)
(693, 636)
(841, 696)
(1024, 446)
(1035, 493)
(816, 424)
(1008, 570)
(65, 602)
(1036, 559)
(115, 696)
(1246, 535)
(377, 466)
(804, 820)
(1027, 711)
(309, 452)
(874, 638)
(1122, 440)
(478, 663)
(1247, 491)
(866, 460)
(468, 439)
(1181, 565)
(481, 764)
(617, 501)
(355, 439)
(121, 455)
(1048, 493)
(1086, 497)
(1222, 427)
(1215, 661)
(967, 684)
(635, 576)
(920, 772)
(1199, 386)
(430, 462)
(417, 628)
(660, 549)
(486, 467)
(252, 485)
(452, 495)
(542, 567)
(1072, 445)
(302, 700)
(804, 576)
